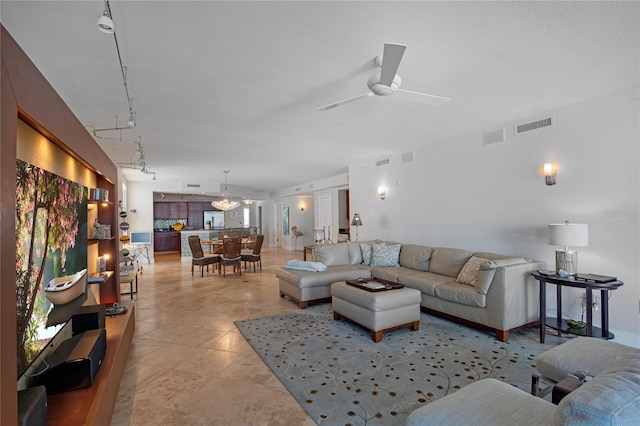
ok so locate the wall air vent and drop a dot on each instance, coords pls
(382, 162)
(407, 157)
(493, 136)
(545, 122)
(193, 185)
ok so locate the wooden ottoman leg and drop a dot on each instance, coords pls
(336, 316)
(416, 325)
(376, 336)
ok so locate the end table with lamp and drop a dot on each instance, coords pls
(589, 282)
(566, 274)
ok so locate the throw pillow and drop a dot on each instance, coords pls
(365, 250)
(355, 254)
(383, 255)
(469, 272)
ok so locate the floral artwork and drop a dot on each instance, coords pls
(51, 217)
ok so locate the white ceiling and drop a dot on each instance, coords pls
(235, 85)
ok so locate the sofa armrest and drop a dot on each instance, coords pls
(512, 299)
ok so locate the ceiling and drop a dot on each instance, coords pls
(235, 85)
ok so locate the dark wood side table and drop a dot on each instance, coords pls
(564, 388)
(309, 249)
(589, 286)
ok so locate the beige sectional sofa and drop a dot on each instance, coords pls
(484, 290)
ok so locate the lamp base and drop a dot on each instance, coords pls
(568, 261)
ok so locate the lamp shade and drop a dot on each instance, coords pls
(569, 234)
(356, 220)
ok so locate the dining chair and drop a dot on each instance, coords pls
(199, 258)
(231, 249)
(221, 237)
(254, 256)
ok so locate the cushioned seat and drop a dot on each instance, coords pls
(589, 354)
(485, 402)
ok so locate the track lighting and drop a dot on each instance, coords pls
(132, 119)
(105, 23)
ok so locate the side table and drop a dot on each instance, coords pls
(132, 279)
(589, 286)
(309, 249)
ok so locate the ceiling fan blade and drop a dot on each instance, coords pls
(443, 98)
(344, 101)
(390, 62)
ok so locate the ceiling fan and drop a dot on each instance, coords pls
(386, 82)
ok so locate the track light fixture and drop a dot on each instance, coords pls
(132, 118)
(105, 23)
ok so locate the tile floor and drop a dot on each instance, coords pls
(188, 363)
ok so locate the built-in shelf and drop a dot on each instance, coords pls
(108, 203)
(102, 239)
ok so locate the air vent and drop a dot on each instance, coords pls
(193, 185)
(407, 157)
(297, 189)
(545, 122)
(382, 162)
(493, 136)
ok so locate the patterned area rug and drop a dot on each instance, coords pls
(341, 377)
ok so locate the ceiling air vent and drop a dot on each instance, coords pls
(493, 136)
(193, 185)
(545, 122)
(407, 157)
(382, 162)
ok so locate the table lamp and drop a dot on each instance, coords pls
(568, 234)
(356, 222)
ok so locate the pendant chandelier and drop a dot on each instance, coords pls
(224, 204)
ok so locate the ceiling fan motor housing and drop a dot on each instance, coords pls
(381, 89)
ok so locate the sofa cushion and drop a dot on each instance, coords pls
(383, 255)
(415, 257)
(355, 255)
(448, 261)
(461, 293)
(332, 254)
(611, 397)
(426, 282)
(365, 250)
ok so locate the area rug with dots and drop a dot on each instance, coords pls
(341, 377)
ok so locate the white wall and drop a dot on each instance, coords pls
(303, 219)
(458, 193)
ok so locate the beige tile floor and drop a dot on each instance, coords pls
(188, 363)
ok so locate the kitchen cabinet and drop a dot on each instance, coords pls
(161, 210)
(166, 241)
(178, 210)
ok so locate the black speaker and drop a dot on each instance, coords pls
(74, 363)
(88, 318)
(32, 407)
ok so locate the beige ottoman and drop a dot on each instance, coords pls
(378, 312)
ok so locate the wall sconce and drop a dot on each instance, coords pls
(549, 174)
(301, 208)
(382, 192)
